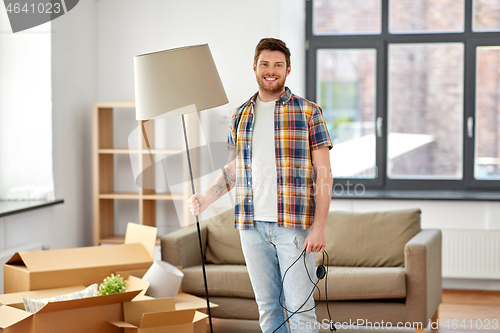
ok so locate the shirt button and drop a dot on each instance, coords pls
(248, 183)
(248, 146)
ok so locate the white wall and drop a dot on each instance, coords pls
(231, 28)
(74, 89)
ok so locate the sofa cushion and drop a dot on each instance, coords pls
(356, 283)
(222, 280)
(369, 239)
(344, 283)
(223, 240)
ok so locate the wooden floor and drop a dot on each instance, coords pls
(467, 311)
(477, 311)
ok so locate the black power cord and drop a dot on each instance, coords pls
(321, 272)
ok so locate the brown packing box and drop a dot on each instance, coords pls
(13, 320)
(87, 315)
(16, 299)
(164, 315)
(38, 270)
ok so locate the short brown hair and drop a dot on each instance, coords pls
(272, 44)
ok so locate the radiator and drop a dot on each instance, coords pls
(6, 254)
(471, 254)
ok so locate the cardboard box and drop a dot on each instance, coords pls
(39, 270)
(16, 299)
(162, 315)
(74, 316)
(13, 320)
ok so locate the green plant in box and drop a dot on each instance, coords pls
(113, 284)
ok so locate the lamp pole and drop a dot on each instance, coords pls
(197, 222)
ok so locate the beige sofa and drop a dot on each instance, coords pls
(382, 268)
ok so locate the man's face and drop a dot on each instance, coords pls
(271, 71)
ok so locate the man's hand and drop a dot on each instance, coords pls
(315, 241)
(197, 204)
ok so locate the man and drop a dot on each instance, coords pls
(281, 170)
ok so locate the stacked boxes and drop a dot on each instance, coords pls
(80, 266)
(44, 274)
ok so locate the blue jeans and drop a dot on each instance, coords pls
(269, 250)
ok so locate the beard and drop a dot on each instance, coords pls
(274, 89)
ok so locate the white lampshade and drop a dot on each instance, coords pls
(165, 279)
(176, 81)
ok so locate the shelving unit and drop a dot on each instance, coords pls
(103, 171)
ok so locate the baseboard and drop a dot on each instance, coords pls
(469, 292)
(486, 285)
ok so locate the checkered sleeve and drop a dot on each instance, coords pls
(231, 136)
(318, 133)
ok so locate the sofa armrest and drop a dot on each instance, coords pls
(423, 274)
(182, 248)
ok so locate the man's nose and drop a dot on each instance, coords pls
(272, 71)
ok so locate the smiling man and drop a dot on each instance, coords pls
(281, 170)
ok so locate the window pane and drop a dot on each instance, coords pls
(486, 15)
(415, 16)
(340, 17)
(425, 111)
(346, 93)
(487, 160)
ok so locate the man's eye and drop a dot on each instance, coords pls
(278, 65)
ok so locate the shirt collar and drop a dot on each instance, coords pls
(287, 95)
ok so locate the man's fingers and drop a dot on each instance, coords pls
(306, 244)
(193, 202)
(313, 248)
(309, 248)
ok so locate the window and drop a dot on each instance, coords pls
(425, 110)
(410, 91)
(346, 92)
(25, 113)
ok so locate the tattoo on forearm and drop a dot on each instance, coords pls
(224, 183)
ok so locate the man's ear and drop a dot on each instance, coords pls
(254, 67)
(288, 70)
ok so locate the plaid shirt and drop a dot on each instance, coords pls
(299, 128)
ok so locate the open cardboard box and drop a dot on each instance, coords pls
(163, 315)
(39, 270)
(73, 316)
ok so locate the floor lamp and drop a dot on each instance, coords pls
(176, 82)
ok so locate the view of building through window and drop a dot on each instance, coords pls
(346, 92)
(347, 17)
(427, 16)
(425, 110)
(486, 15)
(420, 84)
(487, 159)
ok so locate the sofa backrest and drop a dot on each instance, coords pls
(358, 240)
(223, 240)
(369, 239)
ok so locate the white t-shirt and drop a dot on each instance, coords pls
(264, 184)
